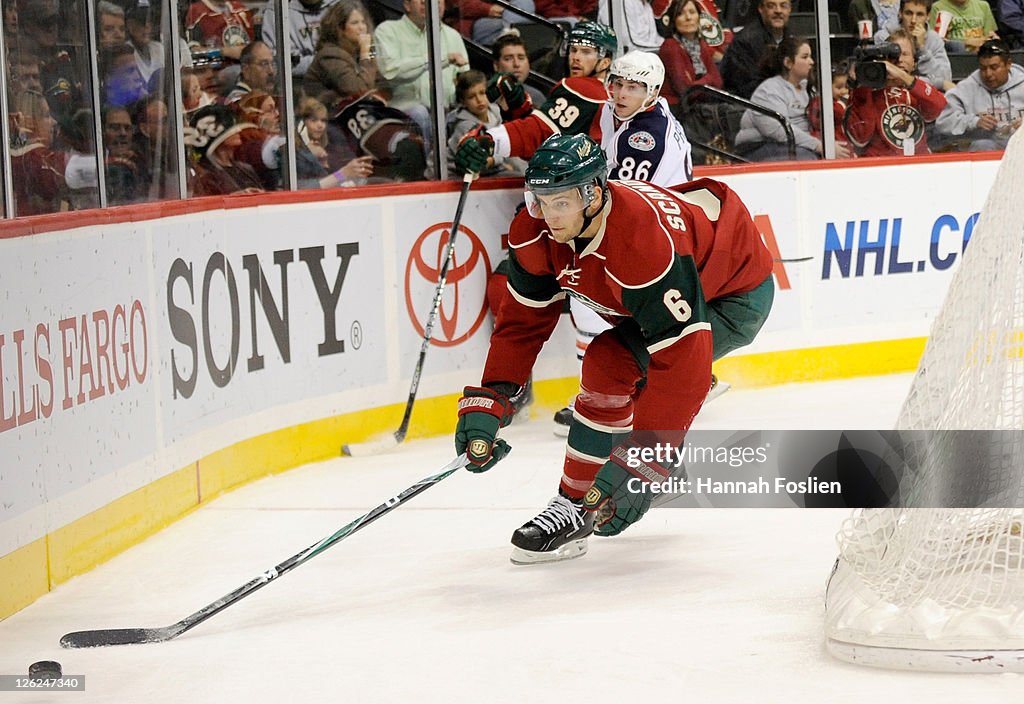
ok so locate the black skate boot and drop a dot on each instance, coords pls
(563, 419)
(559, 532)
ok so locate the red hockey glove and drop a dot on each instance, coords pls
(620, 495)
(481, 412)
(474, 150)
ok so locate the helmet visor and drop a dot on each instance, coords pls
(559, 204)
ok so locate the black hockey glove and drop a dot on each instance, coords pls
(474, 150)
(505, 87)
(620, 495)
(482, 412)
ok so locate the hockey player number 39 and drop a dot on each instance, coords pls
(563, 113)
(677, 305)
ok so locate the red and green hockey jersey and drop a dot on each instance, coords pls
(659, 257)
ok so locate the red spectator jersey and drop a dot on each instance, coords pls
(573, 107)
(879, 120)
(659, 256)
(207, 25)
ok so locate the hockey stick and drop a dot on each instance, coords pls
(129, 636)
(373, 447)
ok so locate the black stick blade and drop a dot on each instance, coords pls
(118, 636)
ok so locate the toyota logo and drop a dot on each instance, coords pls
(461, 312)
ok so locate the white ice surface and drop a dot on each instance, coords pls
(695, 605)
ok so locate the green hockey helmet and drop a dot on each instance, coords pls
(566, 163)
(590, 33)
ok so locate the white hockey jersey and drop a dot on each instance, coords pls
(650, 146)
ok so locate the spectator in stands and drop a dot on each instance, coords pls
(304, 20)
(640, 32)
(111, 27)
(688, 59)
(762, 138)
(120, 162)
(313, 152)
(226, 25)
(192, 94)
(149, 53)
(484, 21)
(122, 82)
(972, 23)
(154, 150)
(10, 19)
(261, 146)
(402, 48)
(840, 101)
(881, 13)
(742, 66)
(571, 11)
(475, 110)
(259, 72)
(891, 120)
(985, 108)
(510, 56)
(345, 64)
(1010, 19)
(25, 74)
(37, 170)
(59, 70)
(932, 61)
(214, 136)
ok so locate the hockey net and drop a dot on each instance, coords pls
(943, 588)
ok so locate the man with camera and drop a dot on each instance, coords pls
(932, 60)
(987, 106)
(890, 106)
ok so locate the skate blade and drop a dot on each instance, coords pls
(561, 431)
(720, 388)
(569, 551)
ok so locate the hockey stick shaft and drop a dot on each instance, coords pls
(398, 436)
(428, 329)
(127, 636)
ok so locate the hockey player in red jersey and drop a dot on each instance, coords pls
(683, 276)
(573, 106)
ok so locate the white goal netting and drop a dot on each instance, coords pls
(943, 588)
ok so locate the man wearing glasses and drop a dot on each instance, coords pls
(258, 72)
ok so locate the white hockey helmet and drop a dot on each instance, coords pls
(640, 67)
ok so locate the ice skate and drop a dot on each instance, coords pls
(559, 532)
(718, 387)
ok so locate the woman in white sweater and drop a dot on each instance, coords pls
(762, 138)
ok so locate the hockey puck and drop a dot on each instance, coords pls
(44, 670)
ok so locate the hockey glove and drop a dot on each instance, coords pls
(505, 86)
(481, 412)
(620, 495)
(474, 150)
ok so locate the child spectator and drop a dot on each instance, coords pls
(474, 110)
(192, 94)
(840, 99)
(313, 152)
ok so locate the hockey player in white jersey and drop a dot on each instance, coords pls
(644, 142)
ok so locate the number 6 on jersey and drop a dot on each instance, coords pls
(677, 305)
